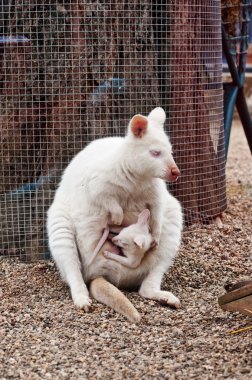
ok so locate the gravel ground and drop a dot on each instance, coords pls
(44, 337)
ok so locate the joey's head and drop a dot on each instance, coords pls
(136, 237)
(149, 147)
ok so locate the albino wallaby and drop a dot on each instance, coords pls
(134, 241)
(115, 178)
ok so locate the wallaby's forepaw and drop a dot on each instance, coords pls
(82, 301)
(107, 254)
(167, 298)
(156, 238)
(117, 217)
(154, 244)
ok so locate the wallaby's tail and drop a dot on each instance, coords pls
(106, 293)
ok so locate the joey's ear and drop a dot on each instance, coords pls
(139, 240)
(157, 117)
(138, 125)
(144, 217)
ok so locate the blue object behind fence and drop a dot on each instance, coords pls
(115, 86)
(28, 189)
(13, 39)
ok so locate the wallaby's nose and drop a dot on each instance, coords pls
(175, 173)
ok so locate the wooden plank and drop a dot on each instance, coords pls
(238, 299)
(236, 294)
(243, 305)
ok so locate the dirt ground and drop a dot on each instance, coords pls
(43, 336)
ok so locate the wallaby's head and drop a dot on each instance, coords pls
(136, 237)
(149, 147)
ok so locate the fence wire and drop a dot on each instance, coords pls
(74, 71)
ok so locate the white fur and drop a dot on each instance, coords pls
(134, 242)
(117, 177)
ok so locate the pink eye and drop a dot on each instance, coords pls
(155, 153)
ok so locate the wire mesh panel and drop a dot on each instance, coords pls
(73, 71)
(195, 102)
(235, 20)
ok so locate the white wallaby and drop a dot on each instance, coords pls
(134, 242)
(112, 180)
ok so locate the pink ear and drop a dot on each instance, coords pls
(144, 217)
(139, 240)
(138, 125)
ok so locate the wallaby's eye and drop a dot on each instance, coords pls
(155, 153)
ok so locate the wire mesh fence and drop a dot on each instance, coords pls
(235, 20)
(73, 71)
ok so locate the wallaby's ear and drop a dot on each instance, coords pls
(139, 240)
(138, 125)
(144, 217)
(157, 117)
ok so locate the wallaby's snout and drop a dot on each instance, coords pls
(173, 173)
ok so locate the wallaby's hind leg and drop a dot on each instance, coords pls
(150, 288)
(76, 283)
(65, 254)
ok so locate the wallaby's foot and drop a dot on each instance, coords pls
(82, 301)
(169, 299)
(164, 297)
